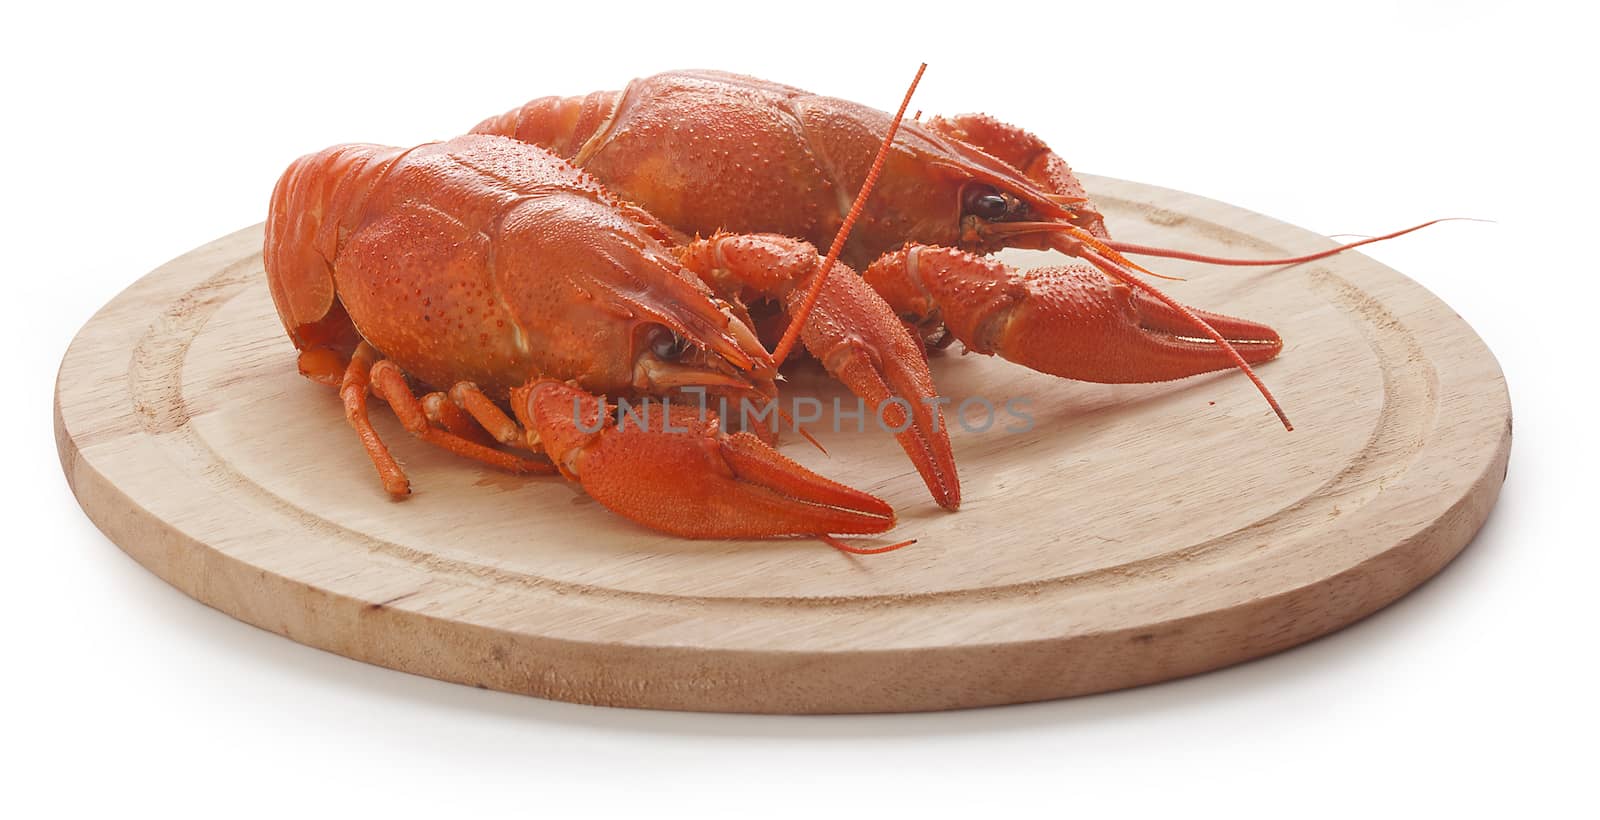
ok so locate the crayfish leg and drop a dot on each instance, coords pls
(389, 384)
(323, 365)
(443, 412)
(368, 373)
(353, 391)
(471, 399)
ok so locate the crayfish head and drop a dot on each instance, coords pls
(954, 195)
(998, 213)
(942, 182)
(708, 368)
(988, 178)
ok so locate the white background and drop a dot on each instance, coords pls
(133, 134)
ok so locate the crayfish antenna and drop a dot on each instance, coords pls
(789, 420)
(1087, 239)
(798, 320)
(1169, 253)
(1111, 253)
(846, 548)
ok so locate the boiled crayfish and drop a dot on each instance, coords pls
(494, 270)
(545, 264)
(706, 150)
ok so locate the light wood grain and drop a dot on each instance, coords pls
(1135, 534)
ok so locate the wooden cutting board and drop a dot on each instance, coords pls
(1135, 534)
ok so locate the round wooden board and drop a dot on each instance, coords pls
(1134, 534)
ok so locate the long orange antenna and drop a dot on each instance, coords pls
(1168, 253)
(798, 320)
(1089, 239)
(843, 547)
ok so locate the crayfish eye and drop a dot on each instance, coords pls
(666, 345)
(985, 203)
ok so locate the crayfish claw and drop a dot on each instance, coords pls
(861, 341)
(856, 335)
(673, 469)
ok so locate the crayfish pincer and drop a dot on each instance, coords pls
(519, 291)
